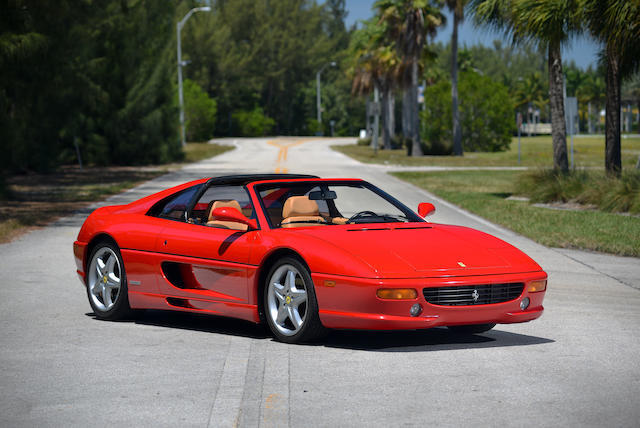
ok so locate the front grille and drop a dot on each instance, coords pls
(464, 295)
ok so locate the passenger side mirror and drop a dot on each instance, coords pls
(425, 209)
(233, 215)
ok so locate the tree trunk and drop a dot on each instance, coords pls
(612, 160)
(558, 127)
(406, 113)
(376, 118)
(392, 114)
(457, 132)
(386, 129)
(416, 149)
(590, 126)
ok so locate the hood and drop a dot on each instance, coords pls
(424, 250)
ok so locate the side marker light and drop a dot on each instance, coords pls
(397, 293)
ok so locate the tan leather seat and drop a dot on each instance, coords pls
(225, 224)
(339, 220)
(300, 211)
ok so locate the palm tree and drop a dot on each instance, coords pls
(632, 91)
(530, 91)
(409, 23)
(574, 78)
(549, 23)
(376, 66)
(457, 8)
(592, 92)
(617, 24)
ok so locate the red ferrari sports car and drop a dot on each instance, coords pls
(303, 254)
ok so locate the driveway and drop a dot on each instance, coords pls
(578, 365)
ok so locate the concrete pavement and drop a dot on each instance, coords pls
(577, 365)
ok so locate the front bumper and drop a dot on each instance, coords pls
(351, 303)
(79, 254)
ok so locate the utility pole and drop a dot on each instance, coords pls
(318, 98)
(179, 26)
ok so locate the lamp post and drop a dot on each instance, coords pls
(318, 101)
(179, 26)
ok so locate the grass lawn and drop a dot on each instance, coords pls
(536, 151)
(35, 200)
(484, 193)
(198, 151)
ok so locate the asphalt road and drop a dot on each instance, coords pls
(578, 365)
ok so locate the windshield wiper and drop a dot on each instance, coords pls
(391, 218)
(379, 218)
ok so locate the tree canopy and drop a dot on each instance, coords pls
(99, 78)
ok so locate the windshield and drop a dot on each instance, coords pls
(330, 203)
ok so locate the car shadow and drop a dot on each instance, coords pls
(434, 339)
(196, 322)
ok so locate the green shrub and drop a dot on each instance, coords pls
(549, 185)
(364, 141)
(397, 142)
(313, 127)
(623, 194)
(607, 193)
(4, 192)
(428, 148)
(486, 116)
(200, 112)
(253, 123)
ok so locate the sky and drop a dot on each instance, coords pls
(582, 50)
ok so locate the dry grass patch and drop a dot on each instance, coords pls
(35, 200)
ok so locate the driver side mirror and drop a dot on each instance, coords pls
(233, 215)
(425, 209)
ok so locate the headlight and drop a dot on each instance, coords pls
(397, 293)
(535, 286)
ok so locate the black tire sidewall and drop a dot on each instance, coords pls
(121, 308)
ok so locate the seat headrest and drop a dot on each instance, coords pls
(224, 204)
(300, 206)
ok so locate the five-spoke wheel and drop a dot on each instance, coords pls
(106, 282)
(290, 303)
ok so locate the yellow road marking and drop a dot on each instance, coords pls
(283, 151)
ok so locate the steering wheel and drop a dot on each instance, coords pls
(361, 214)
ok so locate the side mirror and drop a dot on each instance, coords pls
(425, 209)
(232, 214)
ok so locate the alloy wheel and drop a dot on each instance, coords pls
(287, 300)
(105, 279)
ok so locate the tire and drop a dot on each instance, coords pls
(290, 304)
(107, 283)
(470, 329)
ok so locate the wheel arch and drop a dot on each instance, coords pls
(100, 237)
(264, 269)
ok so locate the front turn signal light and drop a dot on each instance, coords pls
(397, 293)
(535, 286)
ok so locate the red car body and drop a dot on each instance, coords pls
(222, 271)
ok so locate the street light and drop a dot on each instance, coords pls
(318, 102)
(181, 63)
